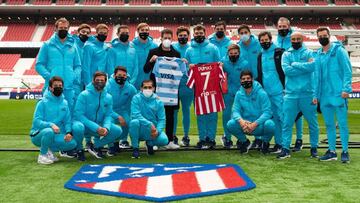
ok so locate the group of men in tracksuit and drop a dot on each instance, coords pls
(101, 93)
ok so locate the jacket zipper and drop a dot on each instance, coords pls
(98, 108)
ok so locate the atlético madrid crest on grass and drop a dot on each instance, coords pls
(160, 182)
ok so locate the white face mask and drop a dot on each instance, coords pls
(147, 93)
(166, 43)
(244, 37)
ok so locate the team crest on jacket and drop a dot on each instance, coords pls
(160, 182)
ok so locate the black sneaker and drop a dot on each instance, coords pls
(285, 153)
(96, 152)
(200, 144)
(256, 144)
(212, 144)
(81, 155)
(68, 154)
(116, 147)
(244, 147)
(226, 143)
(136, 153)
(313, 153)
(88, 146)
(124, 144)
(238, 144)
(328, 156)
(176, 140)
(345, 157)
(265, 148)
(149, 149)
(111, 151)
(298, 145)
(185, 141)
(277, 149)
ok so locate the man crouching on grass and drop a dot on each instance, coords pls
(51, 128)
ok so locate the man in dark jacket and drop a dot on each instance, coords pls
(164, 49)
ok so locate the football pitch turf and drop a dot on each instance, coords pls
(298, 179)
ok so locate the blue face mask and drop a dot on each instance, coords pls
(244, 38)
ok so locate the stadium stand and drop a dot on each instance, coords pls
(8, 61)
(65, 2)
(171, 2)
(269, 2)
(246, 2)
(139, 2)
(13, 30)
(221, 2)
(49, 30)
(295, 2)
(15, 2)
(344, 2)
(115, 2)
(31, 71)
(318, 2)
(91, 2)
(42, 2)
(197, 2)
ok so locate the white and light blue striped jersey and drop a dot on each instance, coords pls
(168, 72)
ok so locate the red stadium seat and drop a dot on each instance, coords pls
(115, 2)
(8, 61)
(171, 2)
(19, 32)
(295, 2)
(42, 2)
(344, 2)
(269, 2)
(140, 2)
(49, 31)
(318, 2)
(65, 2)
(221, 2)
(246, 2)
(32, 70)
(91, 2)
(15, 2)
(197, 2)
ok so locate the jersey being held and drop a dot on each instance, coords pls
(168, 72)
(208, 96)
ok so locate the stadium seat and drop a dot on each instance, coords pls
(92, 2)
(318, 2)
(8, 61)
(115, 2)
(19, 32)
(295, 2)
(344, 2)
(171, 2)
(197, 2)
(269, 2)
(15, 2)
(32, 70)
(246, 2)
(221, 2)
(41, 2)
(49, 31)
(140, 2)
(65, 2)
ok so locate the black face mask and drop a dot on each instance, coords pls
(144, 35)
(199, 39)
(57, 91)
(247, 84)
(324, 41)
(99, 85)
(183, 40)
(124, 37)
(62, 34)
(283, 32)
(101, 37)
(83, 38)
(265, 45)
(234, 58)
(296, 45)
(120, 80)
(220, 34)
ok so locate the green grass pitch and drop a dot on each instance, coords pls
(298, 179)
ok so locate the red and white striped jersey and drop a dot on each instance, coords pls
(208, 96)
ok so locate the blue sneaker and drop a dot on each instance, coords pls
(345, 157)
(136, 153)
(313, 153)
(298, 145)
(226, 143)
(68, 154)
(329, 156)
(111, 151)
(201, 144)
(149, 149)
(256, 144)
(276, 150)
(285, 153)
(265, 148)
(81, 155)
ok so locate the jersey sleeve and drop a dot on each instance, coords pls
(156, 67)
(182, 66)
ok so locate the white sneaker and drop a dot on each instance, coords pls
(171, 145)
(52, 156)
(44, 159)
(155, 148)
